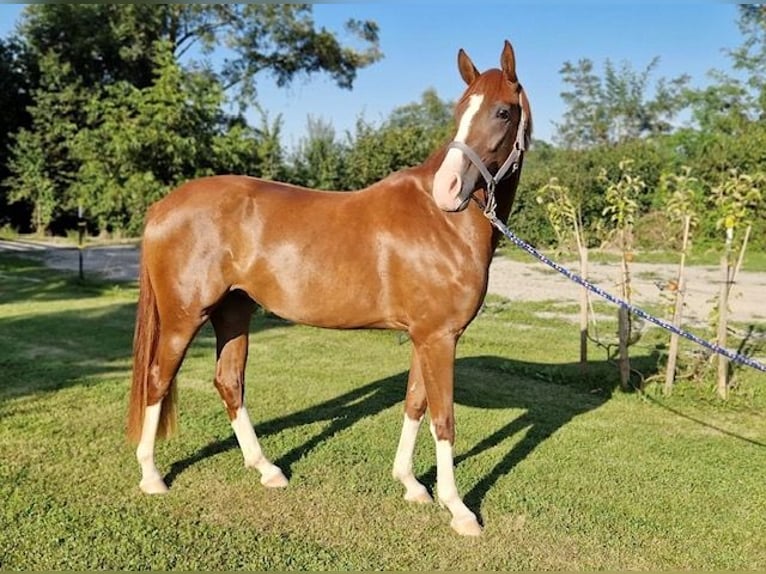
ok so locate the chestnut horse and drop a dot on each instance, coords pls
(411, 252)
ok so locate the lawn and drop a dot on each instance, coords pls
(565, 471)
(701, 256)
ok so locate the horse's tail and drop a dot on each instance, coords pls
(145, 338)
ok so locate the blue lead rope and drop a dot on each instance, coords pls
(736, 357)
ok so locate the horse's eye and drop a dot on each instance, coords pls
(503, 114)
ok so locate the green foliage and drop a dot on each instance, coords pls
(410, 134)
(683, 193)
(738, 199)
(562, 212)
(621, 202)
(750, 57)
(616, 107)
(107, 43)
(122, 111)
(268, 148)
(41, 164)
(407, 138)
(33, 182)
(18, 77)
(721, 107)
(319, 161)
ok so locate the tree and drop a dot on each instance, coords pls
(124, 94)
(319, 160)
(565, 215)
(621, 208)
(18, 77)
(431, 114)
(682, 191)
(410, 134)
(269, 148)
(617, 107)
(723, 106)
(751, 56)
(107, 43)
(41, 166)
(738, 200)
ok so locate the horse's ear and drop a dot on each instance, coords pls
(508, 63)
(467, 70)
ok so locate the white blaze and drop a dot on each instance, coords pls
(449, 186)
(474, 104)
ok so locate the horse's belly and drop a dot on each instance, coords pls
(326, 299)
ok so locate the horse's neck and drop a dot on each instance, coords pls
(504, 195)
(475, 227)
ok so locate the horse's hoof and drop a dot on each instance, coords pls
(466, 526)
(419, 496)
(153, 486)
(275, 480)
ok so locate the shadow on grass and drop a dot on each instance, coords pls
(51, 338)
(43, 351)
(47, 352)
(485, 382)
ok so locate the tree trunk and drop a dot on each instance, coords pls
(722, 386)
(623, 320)
(584, 312)
(670, 371)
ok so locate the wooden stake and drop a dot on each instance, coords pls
(584, 312)
(741, 253)
(670, 372)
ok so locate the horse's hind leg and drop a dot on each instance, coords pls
(414, 410)
(160, 392)
(231, 321)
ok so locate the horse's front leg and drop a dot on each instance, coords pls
(414, 410)
(437, 360)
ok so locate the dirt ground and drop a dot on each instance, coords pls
(518, 281)
(534, 281)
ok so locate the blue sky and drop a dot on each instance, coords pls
(420, 41)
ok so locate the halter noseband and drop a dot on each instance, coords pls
(510, 165)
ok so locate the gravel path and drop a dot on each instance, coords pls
(518, 281)
(537, 282)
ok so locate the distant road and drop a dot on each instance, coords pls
(117, 262)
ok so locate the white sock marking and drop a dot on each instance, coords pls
(445, 480)
(403, 461)
(151, 481)
(251, 448)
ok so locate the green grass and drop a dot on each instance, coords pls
(707, 257)
(566, 472)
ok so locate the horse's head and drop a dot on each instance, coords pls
(493, 130)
